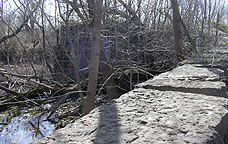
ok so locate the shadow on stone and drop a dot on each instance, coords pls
(222, 129)
(108, 130)
(206, 91)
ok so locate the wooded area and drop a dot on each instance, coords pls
(92, 51)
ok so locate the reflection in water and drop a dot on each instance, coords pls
(22, 130)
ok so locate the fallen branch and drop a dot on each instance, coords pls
(65, 96)
(10, 91)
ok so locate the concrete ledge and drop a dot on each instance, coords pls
(174, 107)
(192, 72)
(210, 88)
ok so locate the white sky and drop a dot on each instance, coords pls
(50, 8)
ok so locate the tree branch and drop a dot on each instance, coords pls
(135, 17)
(20, 27)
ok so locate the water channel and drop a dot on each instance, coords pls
(23, 127)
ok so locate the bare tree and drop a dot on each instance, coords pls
(204, 16)
(21, 26)
(1, 7)
(176, 28)
(96, 12)
(216, 33)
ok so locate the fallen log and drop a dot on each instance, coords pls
(50, 91)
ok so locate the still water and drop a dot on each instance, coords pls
(24, 129)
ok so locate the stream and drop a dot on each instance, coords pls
(23, 127)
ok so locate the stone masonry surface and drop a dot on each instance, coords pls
(185, 105)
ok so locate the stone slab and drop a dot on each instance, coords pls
(150, 116)
(190, 107)
(192, 72)
(211, 88)
(190, 79)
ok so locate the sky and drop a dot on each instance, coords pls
(50, 8)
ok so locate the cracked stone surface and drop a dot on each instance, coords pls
(185, 105)
(189, 79)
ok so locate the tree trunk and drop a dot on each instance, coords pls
(109, 82)
(203, 20)
(2, 2)
(209, 18)
(216, 33)
(94, 62)
(176, 28)
(91, 6)
(193, 49)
